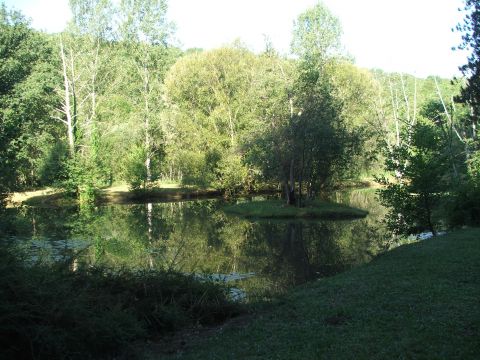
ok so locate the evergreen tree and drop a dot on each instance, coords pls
(471, 70)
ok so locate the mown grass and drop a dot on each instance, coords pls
(418, 301)
(277, 209)
(52, 312)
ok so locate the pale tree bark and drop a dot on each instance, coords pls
(91, 116)
(451, 127)
(73, 104)
(146, 95)
(395, 114)
(68, 108)
(150, 232)
(409, 121)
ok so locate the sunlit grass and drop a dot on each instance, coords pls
(17, 198)
(418, 301)
(118, 193)
(278, 209)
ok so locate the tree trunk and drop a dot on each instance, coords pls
(291, 189)
(148, 159)
(68, 110)
(287, 191)
(429, 215)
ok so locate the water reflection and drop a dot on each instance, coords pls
(198, 237)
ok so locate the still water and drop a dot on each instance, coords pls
(261, 258)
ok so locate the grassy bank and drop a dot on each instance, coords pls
(119, 194)
(160, 191)
(52, 312)
(419, 301)
(277, 209)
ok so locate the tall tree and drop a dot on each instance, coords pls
(413, 197)
(212, 96)
(470, 30)
(316, 34)
(145, 31)
(470, 95)
(316, 128)
(27, 99)
(83, 49)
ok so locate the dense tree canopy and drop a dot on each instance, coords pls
(27, 100)
(110, 100)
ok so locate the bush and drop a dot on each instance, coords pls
(49, 311)
(134, 170)
(195, 168)
(464, 206)
(232, 175)
(52, 164)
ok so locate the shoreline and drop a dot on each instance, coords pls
(122, 195)
(415, 301)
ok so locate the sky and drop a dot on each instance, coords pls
(411, 36)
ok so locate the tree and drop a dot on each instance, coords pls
(27, 100)
(318, 136)
(84, 49)
(144, 32)
(413, 197)
(303, 141)
(465, 197)
(470, 30)
(269, 141)
(470, 94)
(316, 34)
(357, 93)
(212, 96)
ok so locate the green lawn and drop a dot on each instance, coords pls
(419, 301)
(277, 209)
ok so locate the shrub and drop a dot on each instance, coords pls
(50, 311)
(134, 170)
(232, 174)
(464, 206)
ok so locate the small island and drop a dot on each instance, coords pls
(277, 209)
(167, 201)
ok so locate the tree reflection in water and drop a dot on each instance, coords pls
(198, 237)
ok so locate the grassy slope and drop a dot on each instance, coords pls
(277, 209)
(419, 301)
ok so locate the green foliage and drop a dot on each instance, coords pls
(51, 165)
(231, 175)
(194, 169)
(471, 70)
(27, 99)
(224, 118)
(325, 147)
(419, 167)
(473, 167)
(316, 34)
(134, 171)
(463, 207)
(50, 311)
(212, 97)
(81, 179)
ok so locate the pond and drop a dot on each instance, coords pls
(261, 258)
